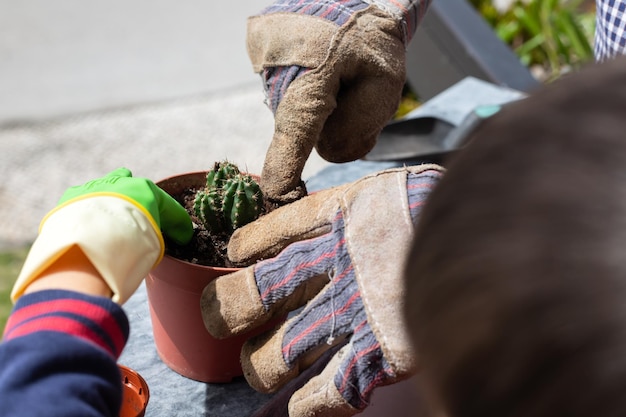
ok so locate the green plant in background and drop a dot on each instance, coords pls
(408, 102)
(230, 199)
(11, 261)
(550, 36)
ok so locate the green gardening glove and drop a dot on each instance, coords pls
(116, 221)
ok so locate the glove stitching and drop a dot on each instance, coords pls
(384, 342)
(331, 336)
(309, 329)
(333, 312)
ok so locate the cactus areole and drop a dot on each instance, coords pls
(229, 200)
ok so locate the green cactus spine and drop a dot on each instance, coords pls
(229, 200)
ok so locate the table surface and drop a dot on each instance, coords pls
(174, 395)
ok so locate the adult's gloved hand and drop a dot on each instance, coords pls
(342, 256)
(116, 221)
(333, 73)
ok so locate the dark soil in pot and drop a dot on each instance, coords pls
(205, 247)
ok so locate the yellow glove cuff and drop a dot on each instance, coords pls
(117, 236)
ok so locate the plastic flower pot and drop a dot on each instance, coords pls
(135, 393)
(174, 290)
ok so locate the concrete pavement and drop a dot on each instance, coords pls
(160, 87)
(70, 56)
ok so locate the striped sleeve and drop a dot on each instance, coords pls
(58, 356)
(95, 320)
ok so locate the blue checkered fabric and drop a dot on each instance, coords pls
(610, 36)
(338, 311)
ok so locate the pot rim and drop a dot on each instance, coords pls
(134, 384)
(160, 182)
(226, 269)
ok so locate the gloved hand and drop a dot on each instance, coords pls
(343, 257)
(333, 73)
(116, 221)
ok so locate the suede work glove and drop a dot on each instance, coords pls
(342, 258)
(116, 221)
(333, 72)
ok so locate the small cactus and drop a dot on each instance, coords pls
(229, 200)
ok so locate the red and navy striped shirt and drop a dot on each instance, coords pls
(59, 356)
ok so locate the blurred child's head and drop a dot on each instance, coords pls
(517, 275)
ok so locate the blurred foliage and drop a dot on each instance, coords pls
(551, 37)
(409, 102)
(11, 261)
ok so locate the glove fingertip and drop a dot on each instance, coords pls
(120, 172)
(229, 306)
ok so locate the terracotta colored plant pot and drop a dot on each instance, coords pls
(174, 289)
(135, 393)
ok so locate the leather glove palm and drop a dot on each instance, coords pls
(333, 73)
(116, 221)
(343, 257)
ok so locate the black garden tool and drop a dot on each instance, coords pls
(441, 125)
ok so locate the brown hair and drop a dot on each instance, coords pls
(517, 275)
